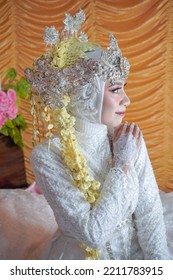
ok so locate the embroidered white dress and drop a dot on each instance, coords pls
(126, 221)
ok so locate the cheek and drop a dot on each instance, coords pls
(110, 103)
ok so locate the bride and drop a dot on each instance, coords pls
(95, 173)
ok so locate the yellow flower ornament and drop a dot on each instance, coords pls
(64, 123)
(69, 50)
(76, 162)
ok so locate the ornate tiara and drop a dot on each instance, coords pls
(72, 62)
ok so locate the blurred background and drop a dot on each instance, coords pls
(144, 30)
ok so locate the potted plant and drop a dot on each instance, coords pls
(11, 124)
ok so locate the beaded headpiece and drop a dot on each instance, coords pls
(73, 62)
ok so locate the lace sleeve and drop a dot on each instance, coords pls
(149, 213)
(74, 215)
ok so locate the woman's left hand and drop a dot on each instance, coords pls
(126, 143)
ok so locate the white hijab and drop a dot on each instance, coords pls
(86, 103)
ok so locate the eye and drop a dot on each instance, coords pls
(115, 90)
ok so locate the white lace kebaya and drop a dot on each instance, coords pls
(127, 220)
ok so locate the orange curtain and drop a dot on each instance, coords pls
(144, 30)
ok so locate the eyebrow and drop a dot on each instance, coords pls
(118, 83)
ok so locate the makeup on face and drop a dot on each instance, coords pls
(114, 103)
(117, 86)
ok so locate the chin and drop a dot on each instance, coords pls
(115, 124)
(112, 123)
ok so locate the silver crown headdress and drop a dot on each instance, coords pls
(73, 62)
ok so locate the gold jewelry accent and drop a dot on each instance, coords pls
(34, 120)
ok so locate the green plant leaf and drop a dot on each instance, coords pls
(8, 86)
(9, 123)
(13, 132)
(20, 122)
(11, 73)
(4, 130)
(23, 88)
(18, 139)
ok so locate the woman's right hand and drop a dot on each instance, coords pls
(126, 144)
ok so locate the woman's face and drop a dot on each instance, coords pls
(115, 102)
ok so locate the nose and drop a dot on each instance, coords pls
(126, 100)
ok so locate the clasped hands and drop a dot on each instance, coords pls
(126, 144)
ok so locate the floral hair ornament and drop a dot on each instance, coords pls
(70, 64)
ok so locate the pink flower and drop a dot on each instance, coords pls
(11, 95)
(12, 108)
(3, 102)
(3, 119)
(8, 107)
(12, 112)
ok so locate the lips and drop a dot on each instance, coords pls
(120, 113)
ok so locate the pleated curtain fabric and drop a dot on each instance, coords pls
(144, 30)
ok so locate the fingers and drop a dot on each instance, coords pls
(139, 139)
(137, 134)
(129, 129)
(117, 132)
(125, 127)
(120, 130)
(133, 129)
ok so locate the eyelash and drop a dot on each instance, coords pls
(115, 90)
